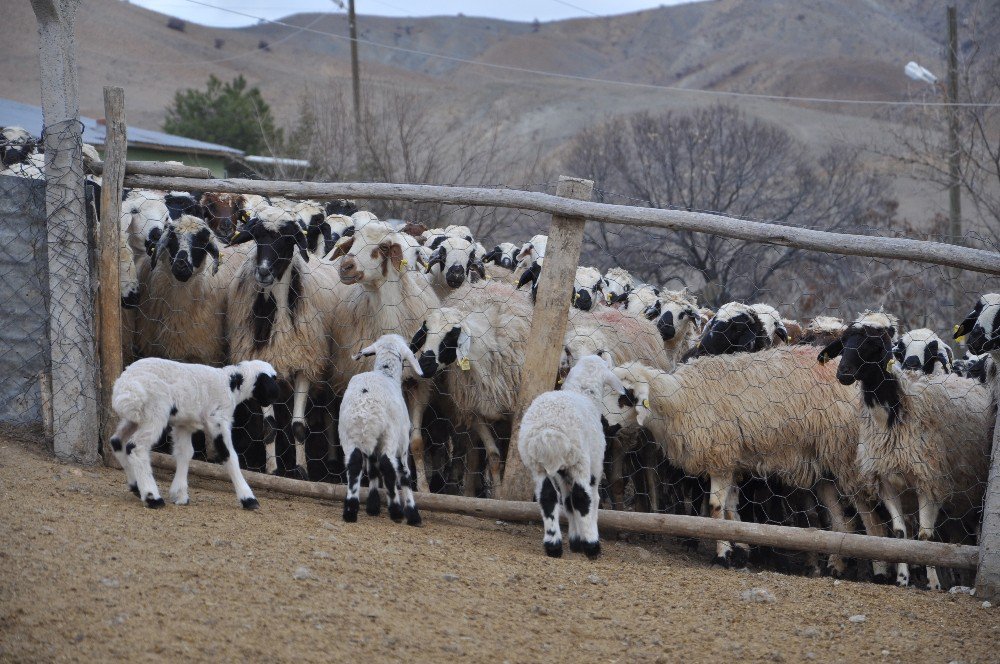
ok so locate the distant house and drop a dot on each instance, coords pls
(143, 144)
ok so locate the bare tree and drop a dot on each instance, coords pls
(406, 138)
(717, 159)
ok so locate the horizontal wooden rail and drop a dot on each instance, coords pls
(157, 168)
(799, 539)
(937, 253)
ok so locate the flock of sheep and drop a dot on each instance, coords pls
(859, 415)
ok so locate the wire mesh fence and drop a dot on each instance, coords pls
(755, 390)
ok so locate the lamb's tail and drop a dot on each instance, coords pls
(128, 399)
(556, 451)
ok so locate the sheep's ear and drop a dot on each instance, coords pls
(831, 351)
(438, 257)
(365, 352)
(525, 251)
(493, 256)
(898, 350)
(419, 339)
(409, 356)
(477, 271)
(342, 247)
(213, 251)
(328, 239)
(642, 412)
(966, 325)
(612, 381)
(606, 356)
(782, 332)
(302, 243)
(464, 344)
(161, 247)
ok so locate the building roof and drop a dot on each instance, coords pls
(13, 113)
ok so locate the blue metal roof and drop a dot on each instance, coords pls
(13, 113)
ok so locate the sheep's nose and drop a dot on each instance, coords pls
(455, 276)
(507, 263)
(264, 276)
(665, 324)
(428, 363)
(182, 267)
(582, 300)
(912, 363)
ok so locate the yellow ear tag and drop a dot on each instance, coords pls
(559, 382)
(645, 404)
(402, 264)
(464, 363)
(890, 364)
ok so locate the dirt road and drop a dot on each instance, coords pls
(88, 574)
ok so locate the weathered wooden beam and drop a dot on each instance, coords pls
(797, 539)
(157, 168)
(73, 350)
(109, 298)
(977, 260)
(988, 568)
(548, 327)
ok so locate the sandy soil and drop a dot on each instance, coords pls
(88, 574)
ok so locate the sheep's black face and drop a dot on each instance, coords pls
(276, 249)
(455, 275)
(665, 324)
(265, 390)
(865, 355)
(583, 300)
(981, 327)
(740, 334)
(919, 357)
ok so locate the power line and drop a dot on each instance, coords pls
(577, 7)
(604, 81)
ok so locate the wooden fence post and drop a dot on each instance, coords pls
(108, 258)
(548, 327)
(71, 304)
(988, 571)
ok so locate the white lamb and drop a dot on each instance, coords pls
(561, 442)
(374, 431)
(154, 394)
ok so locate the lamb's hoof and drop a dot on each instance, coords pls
(740, 557)
(412, 516)
(881, 579)
(575, 544)
(182, 501)
(395, 512)
(721, 561)
(154, 503)
(591, 549)
(351, 510)
(553, 549)
(903, 580)
(833, 572)
(250, 503)
(300, 473)
(134, 488)
(373, 505)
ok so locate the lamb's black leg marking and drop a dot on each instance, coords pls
(548, 500)
(390, 480)
(351, 502)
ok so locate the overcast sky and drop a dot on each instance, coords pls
(512, 10)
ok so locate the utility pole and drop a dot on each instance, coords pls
(954, 152)
(353, 26)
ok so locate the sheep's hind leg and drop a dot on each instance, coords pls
(123, 433)
(355, 460)
(406, 492)
(270, 455)
(373, 506)
(137, 452)
(493, 460)
(829, 496)
(420, 398)
(183, 453)
(741, 551)
(299, 431)
(548, 501)
(392, 489)
(929, 510)
(585, 507)
(875, 528)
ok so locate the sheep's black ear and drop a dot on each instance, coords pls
(493, 256)
(436, 242)
(966, 325)
(302, 244)
(892, 332)
(831, 351)
(628, 399)
(898, 350)
(419, 339)
(448, 352)
(782, 333)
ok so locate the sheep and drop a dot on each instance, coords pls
(739, 327)
(363, 218)
(503, 255)
(383, 298)
(531, 251)
(981, 328)
(16, 146)
(587, 283)
(530, 275)
(225, 212)
(978, 367)
(674, 312)
(772, 412)
(921, 350)
(476, 349)
(183, 294)
(279, 309)
(822, 330)
(154, 394)
(931, 433)
(620, 282)
(451, 260)
(561, 442)
(374, 430)
(143, 217)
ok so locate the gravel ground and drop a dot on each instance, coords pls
(88, 574)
